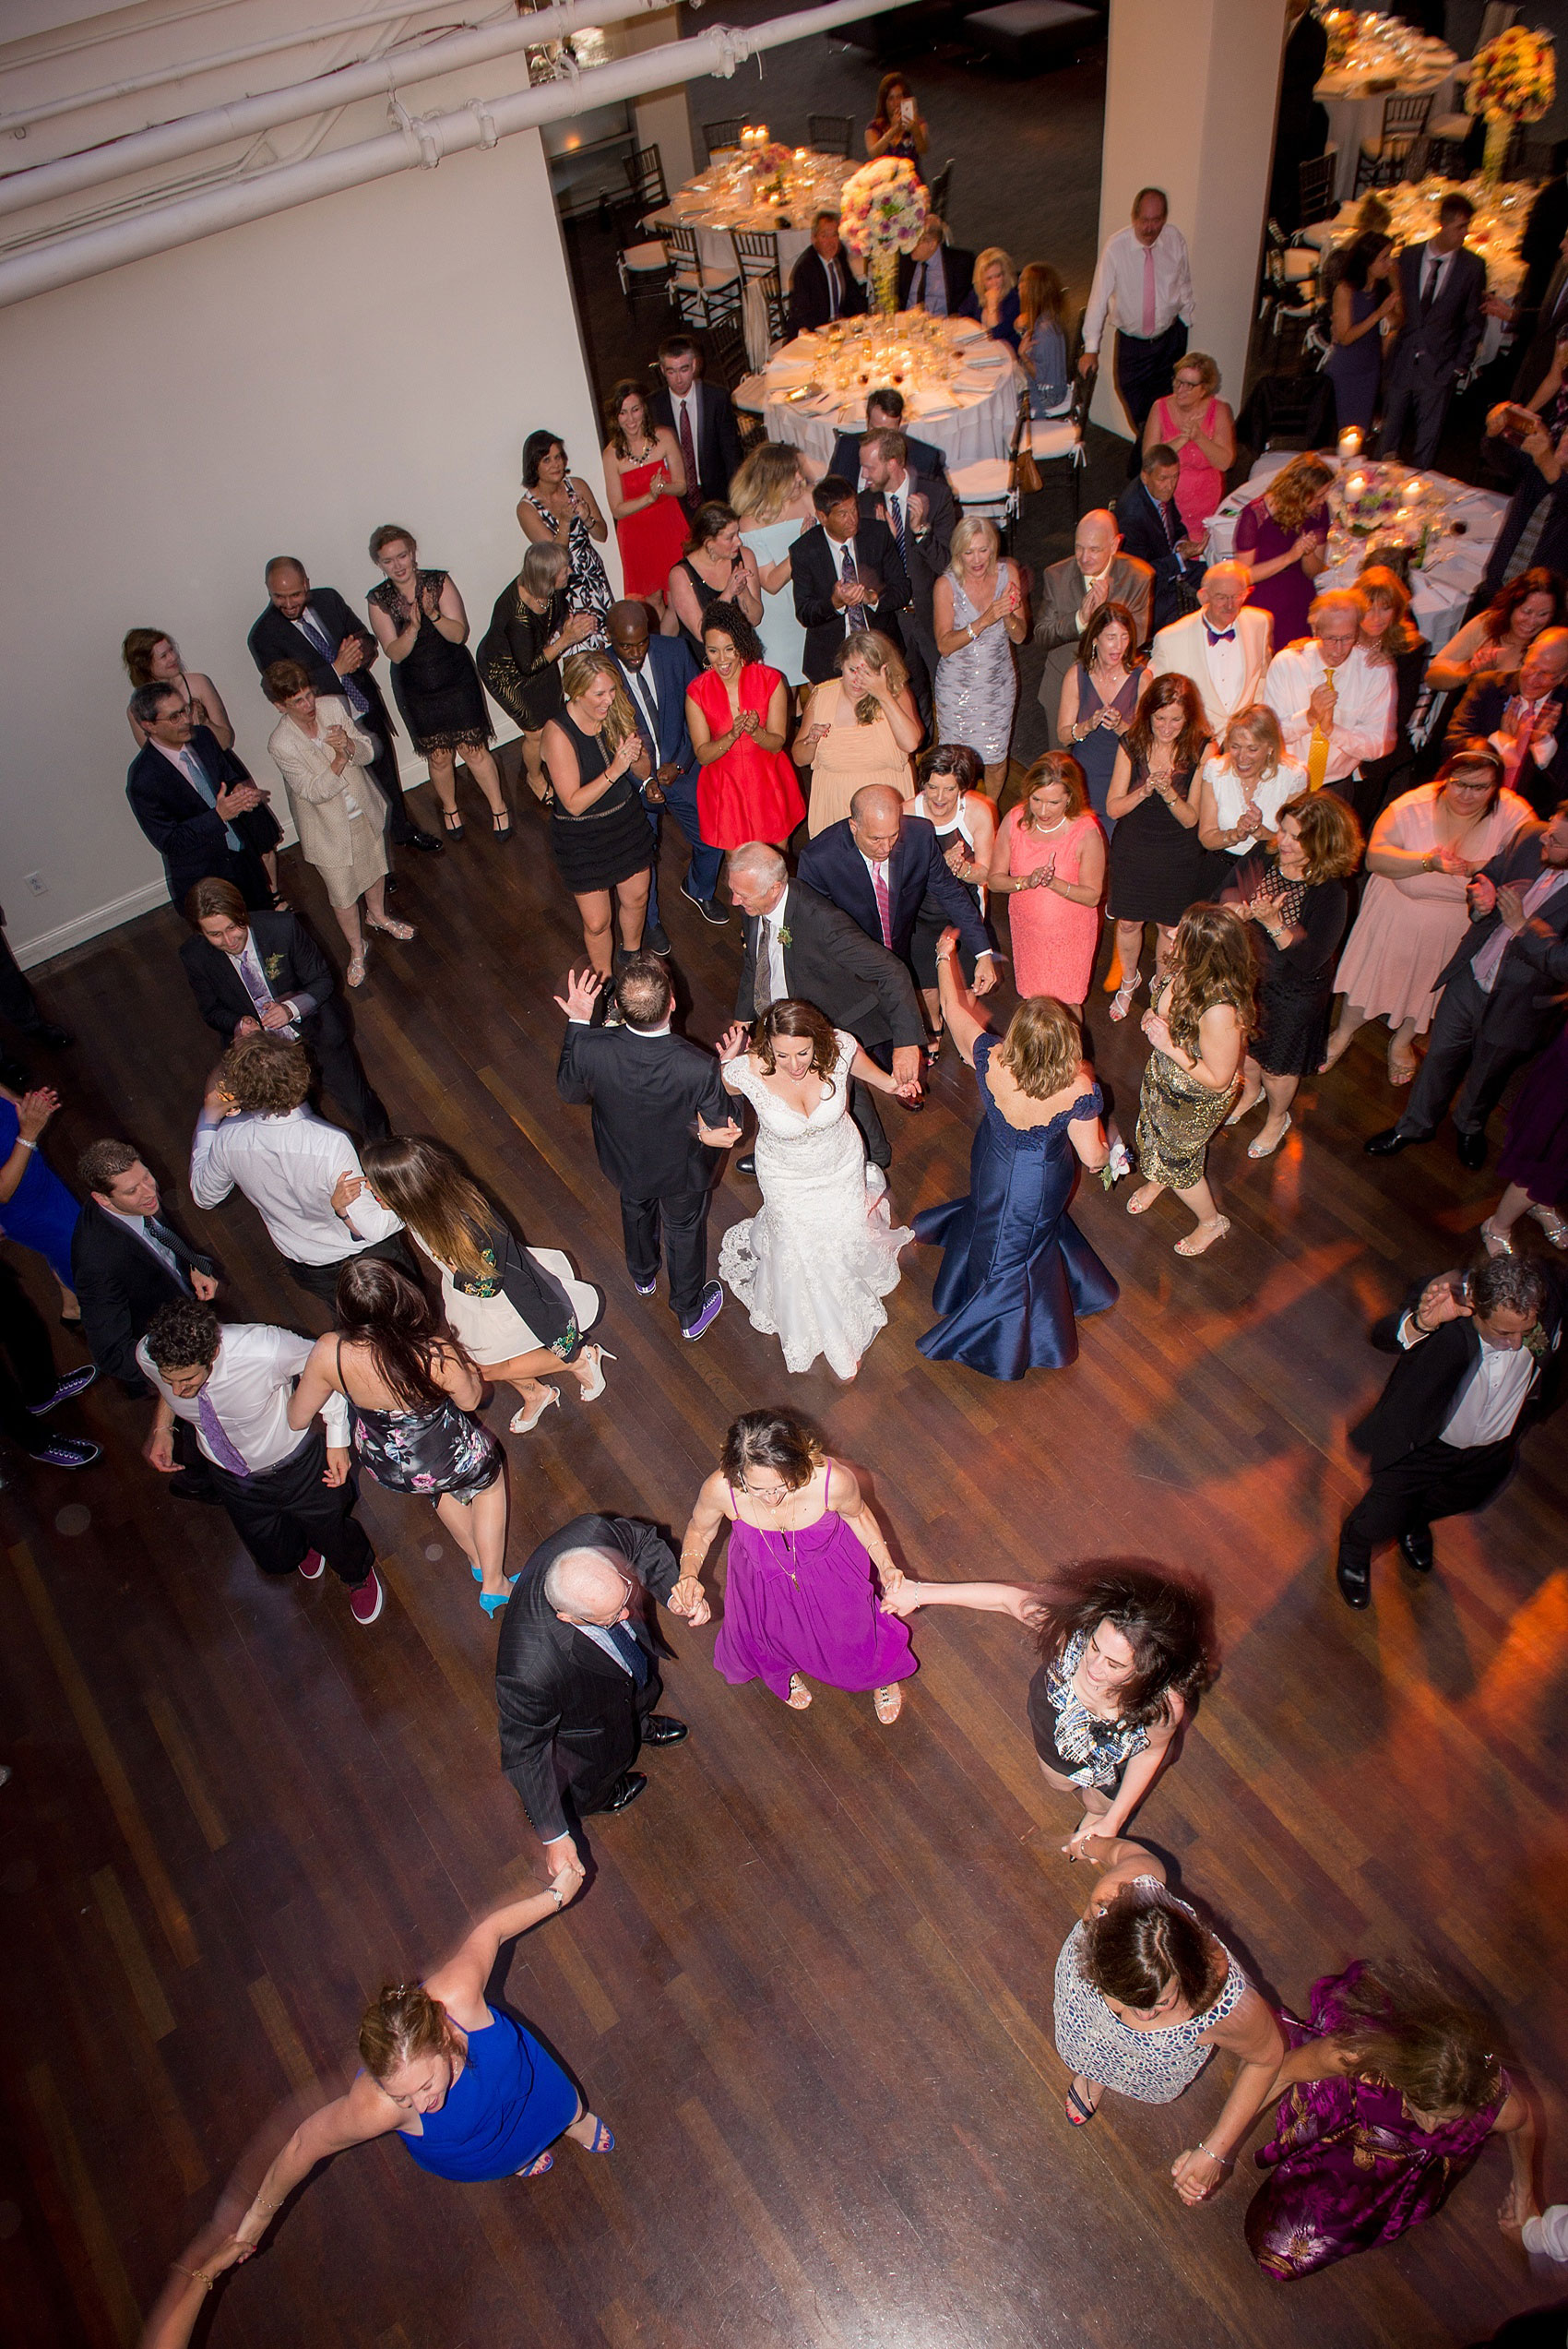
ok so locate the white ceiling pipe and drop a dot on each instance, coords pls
(424, 141)
(142, 151)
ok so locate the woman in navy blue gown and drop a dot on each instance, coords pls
(1016, 1270)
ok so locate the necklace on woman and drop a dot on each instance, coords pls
(1045, 830)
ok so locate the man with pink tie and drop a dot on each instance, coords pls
(1145, 280)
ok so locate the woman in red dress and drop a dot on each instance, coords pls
(738, 714)
(645, 480)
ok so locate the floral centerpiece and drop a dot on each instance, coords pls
(883, 213)
(1388, 503)
(770, 166)
(1513, 79)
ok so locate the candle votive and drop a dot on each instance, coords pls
(1350, 444)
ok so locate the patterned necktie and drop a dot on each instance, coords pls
(896, 516)
(627, 1647)
(217, 1442)
(854, 613)
(1149, 291)
(883, 904)
(762, 975)
(312, 629)
(688, 452)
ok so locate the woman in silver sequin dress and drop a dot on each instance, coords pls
(979, 613)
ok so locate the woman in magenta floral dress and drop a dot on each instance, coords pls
(1391, 2092)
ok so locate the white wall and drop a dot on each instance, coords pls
(377, 356)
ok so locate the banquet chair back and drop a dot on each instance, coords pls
(831, 134)
(724, 134)
(941, 189)
(1314, 182)
(645, 169)
(1496, 17)
(756, 259)
(725, 362)
(702, 295)
(1381, 161)
(989, 488)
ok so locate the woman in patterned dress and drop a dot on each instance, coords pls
(1143, 1995)
(1198, 1027)
(556, 501)
(978, 614)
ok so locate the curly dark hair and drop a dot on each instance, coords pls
(1507, 600)
(955, 758)
(1512, 1283)
(266, 1074)
(183, 1333)
(1141, 1942)
(730, 620)
(770, 1439)
(1164, 1621)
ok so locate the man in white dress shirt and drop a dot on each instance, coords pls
(290, 1495)
(301, 1176)
(1222, 647)
(1333, 702)
(1145, 281)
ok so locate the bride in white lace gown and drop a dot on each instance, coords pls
(813, 1265)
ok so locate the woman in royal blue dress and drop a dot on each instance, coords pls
(36, 1210)
(1015, 1269)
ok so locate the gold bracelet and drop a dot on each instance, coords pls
(195, 2275)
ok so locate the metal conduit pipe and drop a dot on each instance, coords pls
(141, 151)
(422, 142)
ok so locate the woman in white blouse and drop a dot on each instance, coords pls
(317, 749)
(1242, 786)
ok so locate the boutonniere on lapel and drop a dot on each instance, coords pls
(785, 938)
(273, 966)
(1537, 1343)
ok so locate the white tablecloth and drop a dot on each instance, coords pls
(966, 421)
(1500, 217)
(1356, 114)
(701, 206)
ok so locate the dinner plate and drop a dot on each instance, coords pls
(993, 355)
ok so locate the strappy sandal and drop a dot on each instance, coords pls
(452, 824)
(524, 1421)
(1260, 1148)
(596, 1357)
(538, 2166)
(1196, 1245)
(604, 2139)
(1402, 1072)
(1494, 1240)
(1078, 2112)
(889, 1703)
(1551, 1222)
(499, 830)
(1144, 1198)
(354, 975)
(401, 930)
(799, 1696)
(1121, 1002)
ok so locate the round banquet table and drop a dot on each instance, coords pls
(709, 204)
(1500, 219)
(1355, 111)
(969, 419)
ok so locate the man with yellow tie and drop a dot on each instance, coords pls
(1335, 701)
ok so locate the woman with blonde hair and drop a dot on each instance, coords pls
(993, 296)
(1016, 1273)
(1242, 786)
(1198, 1029)
(861, 727)
(1042, 339)
(1282, 540)
(978, 615)
(317, 748)
(1297, 914)
(1193, 421)
(515, 1310)
(595, 759)
(772, 495)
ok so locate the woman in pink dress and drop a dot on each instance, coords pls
(1050, 857)
(737, 711)
(808, 1570)
(1201, 431)
(1424, 848)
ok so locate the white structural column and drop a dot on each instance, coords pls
(1190, 102)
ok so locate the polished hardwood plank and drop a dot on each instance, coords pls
(811, 1982)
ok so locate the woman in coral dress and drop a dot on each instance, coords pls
(1050, 857)
(645, 480)
(737, 711)
(859, 728)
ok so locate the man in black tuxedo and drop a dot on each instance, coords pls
(936, 276)
(656, 672)
(1501, 993)
(1153, 530)
(315, 626)
(1520, 713)
(576, 1673)
(702, 417)
(845, 576)
(251, 971)
(821, 285)
(192, 800)
(799, 944)
(885, 413)
(1478, 1361)
(880, 866)
(1444, 286)
(660, 1116)
(921, 511)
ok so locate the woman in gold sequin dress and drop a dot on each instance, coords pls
(1199, 1028)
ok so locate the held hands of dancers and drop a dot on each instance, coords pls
(906, 1083)
(719, 1136)
(583, 989)
(1199, 2174)
(346, 1191)
(689, 1599)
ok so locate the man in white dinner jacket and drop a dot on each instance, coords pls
(1223, 647)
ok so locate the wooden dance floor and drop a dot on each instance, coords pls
(810, 1982)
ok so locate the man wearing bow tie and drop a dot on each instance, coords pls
(1223, 646)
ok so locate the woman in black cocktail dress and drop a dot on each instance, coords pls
(422, 626)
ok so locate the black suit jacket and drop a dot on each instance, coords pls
(1426, 1380)
(1442, 345)
(917, 870)
(717, 439)
(815, 562)
(188, 834)
(121, 1285)
(646, 1093)
(293, 964)
(1144, 534)
(1480, 712)
(1524, 996)
(924, 457)
(570, 1714)
(831, 962)
(275, 639)
(925, 553)
(958, 268)
(809, 305)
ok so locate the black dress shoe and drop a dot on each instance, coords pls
(1389, 1143)
(431, 843)
(708, 907)
(187, 1488)
(1471, 1148)
(1355, 1583)
(659, 1729)
(745, 1164)
(656, 939)
(626, 1789)
(1415, 1548)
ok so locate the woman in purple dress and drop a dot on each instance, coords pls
(808, 1569)
(1392, 2092)
(1282, 537)
(1535, 1158)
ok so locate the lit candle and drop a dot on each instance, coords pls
(1414, 489)
(1356, 483)
(1350, 444)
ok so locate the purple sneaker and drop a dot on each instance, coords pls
(71, 1384)
(68, 1451)
(706, 1314)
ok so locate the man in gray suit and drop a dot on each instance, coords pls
(1444, 286)
(1097, 572)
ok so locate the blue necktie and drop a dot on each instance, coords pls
(346, 685)
(855, 613)
(627, 1648)
(195, 775)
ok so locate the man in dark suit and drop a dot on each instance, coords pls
(847, 575)
(1501, 993)
(315, 626)
(885, 413)
(1153, 532)
(936, 276)
(656, 672)
(191, 799)
(576, 1673)
(1478, 1360)
(1444, 286)
(1071, 592)
(799, 944)
(1520, 713)
(880, 866)
(921, 511)
(251, 971)
(660, 1116)
(702, 417)
(821, 285)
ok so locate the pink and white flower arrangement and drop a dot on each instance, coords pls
(883, 208)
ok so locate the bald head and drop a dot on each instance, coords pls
(288, 586)
(589, 1586)
(1226, 587)
(1546, 664)
(1096, 542)
(627, 625)
(876, 812)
